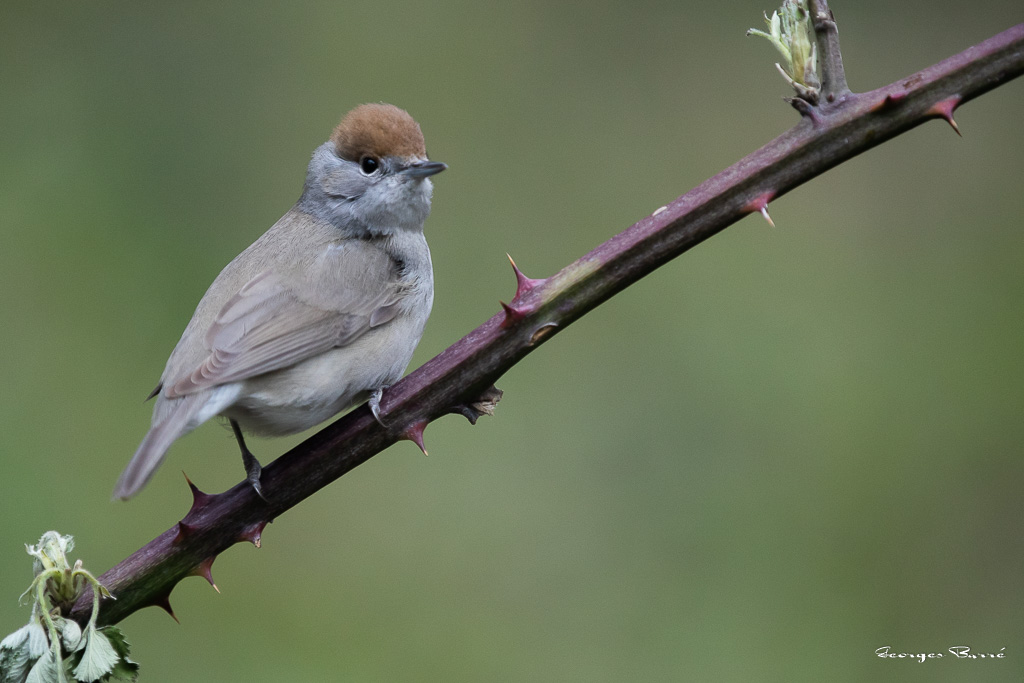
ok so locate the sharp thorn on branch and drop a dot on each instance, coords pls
(185, 530)
(164, 603)
(944, 109)
(205, 570)
(523, 284)
(414, 433)
(759, 204)
(513, 314)
(199, 499)
(253, 533)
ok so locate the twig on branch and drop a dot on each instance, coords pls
(460, 379)
(833, 76)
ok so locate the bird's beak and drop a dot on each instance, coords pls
(422, 169)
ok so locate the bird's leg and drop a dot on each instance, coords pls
(252, 465)
(374, 402)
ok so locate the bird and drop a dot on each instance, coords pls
(320, 313)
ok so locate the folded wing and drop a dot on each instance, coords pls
(267, 326)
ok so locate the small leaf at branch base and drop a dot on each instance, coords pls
(98, 658)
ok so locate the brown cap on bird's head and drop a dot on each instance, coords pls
(378, 130)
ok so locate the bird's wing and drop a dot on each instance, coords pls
(267, 326)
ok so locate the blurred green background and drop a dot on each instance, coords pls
(780, 452)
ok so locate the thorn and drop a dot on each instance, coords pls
(944, 110)
(205, 570)
(184, 531)
(164, 603)
(660, 209)
(414, 433)
(199, 499)
(760, 204)
(253, 533)
(889, 100)
(523, 284)
(512, 315)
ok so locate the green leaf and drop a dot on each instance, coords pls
(45, 670)
(31, 637)
(38, 643)
(16, 639)
(125, 669)
(70, 634)
(98, 658)
(14, 656)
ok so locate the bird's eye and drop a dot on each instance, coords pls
(369, 165)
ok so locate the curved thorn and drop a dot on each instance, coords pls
(523, 284)
(760, 205)
(205, 570)
(889, 100)
(164, 603)
(184, 531)
(199, 499)
(253, 533)
(944, 109)
(414, 433)
(513, 315)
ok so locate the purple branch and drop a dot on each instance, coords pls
(833, 75)
(460, 379)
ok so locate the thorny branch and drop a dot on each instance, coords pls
(460, 379)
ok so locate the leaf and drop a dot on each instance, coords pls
(16, 639)
(14, 656)
(98, 658)
(125, 669)
(45, 670)
(70, 635)
(38, 643)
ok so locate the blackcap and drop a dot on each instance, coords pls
(321, 312)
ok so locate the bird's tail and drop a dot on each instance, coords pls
(151, 452)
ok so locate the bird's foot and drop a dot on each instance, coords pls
(253, 469)
(252, 465)
(374, 402)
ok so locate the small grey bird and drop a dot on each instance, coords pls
(321, 312)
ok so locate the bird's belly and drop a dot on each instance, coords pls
(296, 398)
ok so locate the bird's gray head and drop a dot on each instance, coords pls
(372, 176)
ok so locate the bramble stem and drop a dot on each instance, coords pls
(828, 134)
